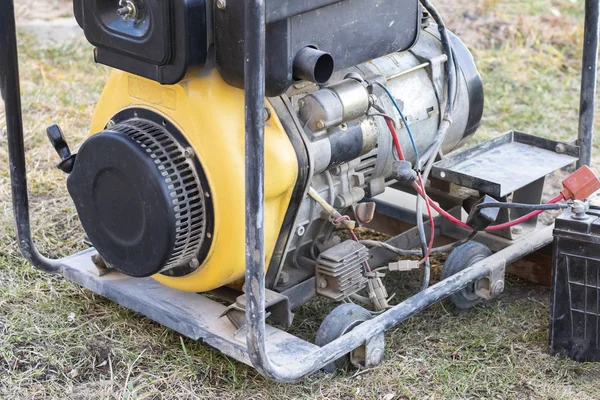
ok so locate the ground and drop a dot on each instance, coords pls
(60, 341)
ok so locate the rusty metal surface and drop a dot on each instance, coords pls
(505, 164)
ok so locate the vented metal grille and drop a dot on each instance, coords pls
(178, 171)
(339, 271)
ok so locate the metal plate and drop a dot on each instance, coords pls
(505, 164)
(190, 314)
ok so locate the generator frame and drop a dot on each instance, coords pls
(274, 353)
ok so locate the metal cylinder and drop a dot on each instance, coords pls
(313, 65)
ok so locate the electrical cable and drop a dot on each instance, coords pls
(451, 81)
(404, 121)
(410, 253)
(522, 206)
(455, 220)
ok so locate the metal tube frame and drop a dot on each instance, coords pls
(304, 364)
(589, 74)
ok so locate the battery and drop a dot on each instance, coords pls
(575, 303)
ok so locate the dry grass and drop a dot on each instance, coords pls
(60, 341)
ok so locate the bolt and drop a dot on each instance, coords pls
(321, 124)
(323, 283)
(283, 279)
(221, 4)
(580, 209)
(301, 103)
(188, 153)
(561, 148)
(110, 124)
(194, 263)
(301, 231)
(127, 10)
(497, 288)
(344, 127)
(516, 230)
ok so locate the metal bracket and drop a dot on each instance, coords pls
(492, 285)
(277, 308)
(370, 354)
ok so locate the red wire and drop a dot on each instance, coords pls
(523, 218)
(390, 125)
(430, 203)
(398, 147)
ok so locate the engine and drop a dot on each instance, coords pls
(159, 185)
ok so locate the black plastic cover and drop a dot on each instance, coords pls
(351, 31)
(166, 40)
(575, 304)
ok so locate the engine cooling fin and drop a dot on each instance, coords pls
(142, 197)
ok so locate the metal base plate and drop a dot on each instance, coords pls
(189, 314)
(503, 165)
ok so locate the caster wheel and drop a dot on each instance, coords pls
(341, 320)
(461, 258)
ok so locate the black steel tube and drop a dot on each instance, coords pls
(588, 82)
(254, 86)
(11, 94)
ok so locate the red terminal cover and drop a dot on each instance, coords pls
(581, 184)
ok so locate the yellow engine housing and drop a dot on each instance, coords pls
(210, 114)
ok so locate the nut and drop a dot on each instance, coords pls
(323, 283)
(283, 279)
(560, 148)
(497, 288)
(321, 124)
(516, 230)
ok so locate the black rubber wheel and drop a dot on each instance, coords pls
(461, 258)
(341, 320)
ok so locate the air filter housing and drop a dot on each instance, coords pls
(142, 197)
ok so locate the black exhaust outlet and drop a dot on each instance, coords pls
(313, 65)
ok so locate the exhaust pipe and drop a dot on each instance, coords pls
(313, 65)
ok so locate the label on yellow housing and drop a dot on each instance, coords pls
(141, 89)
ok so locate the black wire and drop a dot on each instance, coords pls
(521, 206)
(451, 75)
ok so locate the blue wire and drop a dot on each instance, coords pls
(410, 135)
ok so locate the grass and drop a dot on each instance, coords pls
(60, 341)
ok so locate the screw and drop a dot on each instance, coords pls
(322, 283)
(561, 148)
(189, 152)
(110, 124)
(283, 279)
(497, 288)
(516, 230)
(221, 4)
(301, 103)
(127, 10)
(344, 127)
(321, 124)
(301, 231)
(194, 263)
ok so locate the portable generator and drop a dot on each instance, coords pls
(239, 145)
